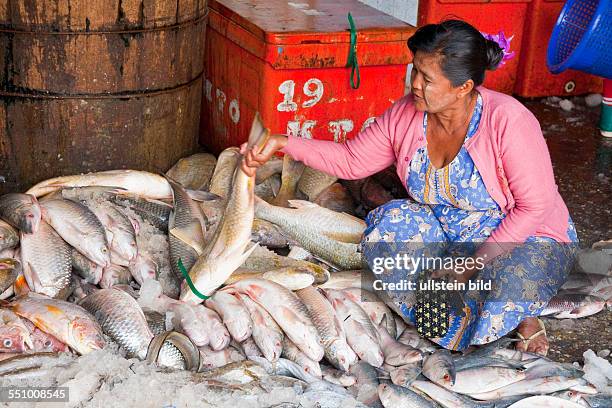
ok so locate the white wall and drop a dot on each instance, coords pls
(405, 10)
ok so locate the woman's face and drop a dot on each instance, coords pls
(432, 91)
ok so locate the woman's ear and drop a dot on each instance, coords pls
(465, 89)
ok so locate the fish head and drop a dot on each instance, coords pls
(30, 214)
(385, 393)
(99, 252)
(85, 335)
(13, 339)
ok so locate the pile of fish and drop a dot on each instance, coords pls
(205, 267)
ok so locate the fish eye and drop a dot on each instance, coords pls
(7, 343)
(47, 343)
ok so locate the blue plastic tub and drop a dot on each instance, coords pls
(582, 38)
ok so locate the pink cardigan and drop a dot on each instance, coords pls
(508, 150)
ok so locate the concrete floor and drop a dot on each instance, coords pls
(582, 162)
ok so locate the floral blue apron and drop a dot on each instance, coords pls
(450, 212)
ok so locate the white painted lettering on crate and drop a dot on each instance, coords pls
(221, 98)
(295, 128)
(316, 94)
(287, 89)
(340, 128)
(234, 111)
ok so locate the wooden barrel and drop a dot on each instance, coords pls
(90, 85)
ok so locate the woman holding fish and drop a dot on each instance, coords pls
(480, 182)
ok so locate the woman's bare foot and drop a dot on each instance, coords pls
(533, 336)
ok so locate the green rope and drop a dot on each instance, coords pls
(189, 282)
(352, 59)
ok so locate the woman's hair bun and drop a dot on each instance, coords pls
(495, 54)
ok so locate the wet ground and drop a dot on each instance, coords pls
(582, 162)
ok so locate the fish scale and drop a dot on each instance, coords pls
(46, 260)
(122, 319)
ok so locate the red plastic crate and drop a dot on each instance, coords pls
(488, 16)
(287, 61)
(534, 79)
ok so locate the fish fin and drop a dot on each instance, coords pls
(202, 196)
(31, 278)
(302, 204)
(248, 253)
(188, 236)
(259, 134)
(21, 286)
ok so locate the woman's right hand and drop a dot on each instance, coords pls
(253, 160)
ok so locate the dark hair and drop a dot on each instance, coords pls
(465, 53)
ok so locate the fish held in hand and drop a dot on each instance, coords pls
(227, 249)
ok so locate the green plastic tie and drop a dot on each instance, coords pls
(189, 282)
(352, 59)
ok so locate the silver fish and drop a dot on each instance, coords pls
(293, 353)
(22, 211)
(313, 182)
(194, 172)
(46, 260)
(331, 333)
(393, 396)
(266, 333)
(79, 227)
(573, 306)
(186, 230)
(439, 367)
(221, 181)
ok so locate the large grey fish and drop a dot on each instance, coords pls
(287, 310)
(290, 277)
(227, 249)
(313, 182)
(483, 380)
(79, 227)
(292, 171)
(323, 316)
(9, 237)
(22, 211)
(69, 323)
(393, 396)
(221, 181)
(187, 228)
(137, 182)
(122, 319)
(46, 260)
(546, 401)
(439, 367)
(9, 269)
(194, 172)
(361, 334)
(325, 233)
